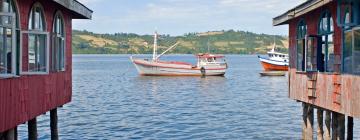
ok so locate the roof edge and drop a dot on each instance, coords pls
(299, 10)
(77, 7)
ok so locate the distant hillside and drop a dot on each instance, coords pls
(225, 42)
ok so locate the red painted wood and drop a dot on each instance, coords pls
(343, 98)
(28, 96)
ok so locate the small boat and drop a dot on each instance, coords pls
(276, 61)
(207, 65)
(273, 73)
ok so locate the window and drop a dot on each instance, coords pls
(326, 31)
(351, 51)
(8, 39)
(38, 58)
(313, 43)
(58, 43)
(300, 45)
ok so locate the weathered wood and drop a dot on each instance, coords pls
(310, 123)
(54, 124)
(320, 120)
(32, 129)
(327, 135)
(10, 134)
(350, 128)
(334, 125)
(304, 122)
(341, 127)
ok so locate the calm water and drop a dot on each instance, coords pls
(111, 101)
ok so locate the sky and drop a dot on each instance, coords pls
(177, 17)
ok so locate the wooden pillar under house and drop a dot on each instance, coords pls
(350, 128)
(334, 125)
(32, 129)
(308, 122)
(54, 124)
(320, 120)
(341, 127)
(10, 134)
(327, 132)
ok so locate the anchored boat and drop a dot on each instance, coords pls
(276, 61)
(207, 65)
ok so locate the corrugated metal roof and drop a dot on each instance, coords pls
(299, 10)
(80, 9)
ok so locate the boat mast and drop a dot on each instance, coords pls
(155, 46)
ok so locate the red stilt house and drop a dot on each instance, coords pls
(325, 61)
(35, 57)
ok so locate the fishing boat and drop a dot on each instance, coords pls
(276, 61)
(207, 65)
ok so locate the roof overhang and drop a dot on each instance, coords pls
(299, 10)
(79, 9)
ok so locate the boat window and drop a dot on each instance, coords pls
(38, 51)
(58, 43)
(326, 31)
(300, 45)
(9, 43)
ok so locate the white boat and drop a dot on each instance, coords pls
(207, 65)
(276, 61)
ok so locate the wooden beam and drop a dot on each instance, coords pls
(10, 134)
(334, 125)
(341, 127)
(308, 122)
(320, 120)
(32, 129)
(304, 121)
(54, 124)
(350, 128)
(327, 135)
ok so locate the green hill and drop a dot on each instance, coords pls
(224, 42)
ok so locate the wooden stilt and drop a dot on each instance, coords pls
(327, 135)
(341, 126)
(320, 129)
(54, 124)
(334, 125)
(32, 129)
(350, 128)
(304, 122)
(310, 123)
(10, 134)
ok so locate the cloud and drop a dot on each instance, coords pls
(182, 16)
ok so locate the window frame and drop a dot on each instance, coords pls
(56, 64)
(36, 32)
(13, 48)
(301, 33)
(325, 33)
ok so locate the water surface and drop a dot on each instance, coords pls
(111, 101)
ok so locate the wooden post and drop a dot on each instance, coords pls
(320, 130)
(32, 129)
(334, 125)
(10, 134)
(310, 123)
(350, 128)
(304, 123)
(54, 124)
(341, 126)
(327, 125)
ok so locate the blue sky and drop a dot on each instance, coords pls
(176, 17)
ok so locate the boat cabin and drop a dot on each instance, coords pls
(210, 59)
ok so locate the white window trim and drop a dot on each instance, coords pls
(13, 48)
(47, 52)
(64, 38)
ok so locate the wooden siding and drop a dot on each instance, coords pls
(28, 96)
(331, 91)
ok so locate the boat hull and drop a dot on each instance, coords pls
(149, 68)
(270, 65)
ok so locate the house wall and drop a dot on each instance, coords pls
(333, 91)
(28, 96)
